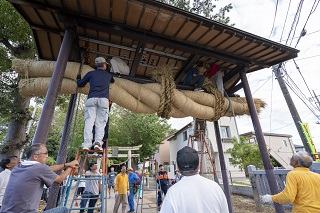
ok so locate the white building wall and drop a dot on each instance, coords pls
(178, 142)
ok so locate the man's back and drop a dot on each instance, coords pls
(302, 189)
(195, 194)
(99, 83)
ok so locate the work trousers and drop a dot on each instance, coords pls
(131, 199)
(96, 114)
(122, 198)
(164, 189)
(92, 201)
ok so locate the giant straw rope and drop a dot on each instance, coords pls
(162, 98)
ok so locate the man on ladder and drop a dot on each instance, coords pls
(97, 104)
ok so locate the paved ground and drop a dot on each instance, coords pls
(149, 198)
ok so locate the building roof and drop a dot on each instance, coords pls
(267, 134)
(148, 33)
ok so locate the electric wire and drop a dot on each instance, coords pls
(262, 85)
(271, 97)
(274, 18)
(295, 22)
(304, 80)
(285, 21)
(314, 7)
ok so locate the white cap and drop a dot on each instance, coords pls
(100, 60)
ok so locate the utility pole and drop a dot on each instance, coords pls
(292, 108)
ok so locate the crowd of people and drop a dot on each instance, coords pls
(181, 194)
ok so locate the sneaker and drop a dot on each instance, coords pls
(86, 146)
(97, 147)
(198, 90)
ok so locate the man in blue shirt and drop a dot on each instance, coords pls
(194, 79)
(133, 179)
(97, 104)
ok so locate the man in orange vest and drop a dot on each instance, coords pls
(162, 181)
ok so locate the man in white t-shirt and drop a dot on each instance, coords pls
(7, 165)
(92, 189)
(193, 193)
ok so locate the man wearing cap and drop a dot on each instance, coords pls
(163, 183)
(121, 187)
(133, 179)
(97, 104)
(188, 195)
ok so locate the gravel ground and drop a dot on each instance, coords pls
(243, 204)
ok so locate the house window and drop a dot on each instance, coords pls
(252, 140)
(225, 132)
(185, 135)
(285, 143)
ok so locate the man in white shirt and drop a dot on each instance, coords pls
(92, 190)
(193, 193)
(7, 165)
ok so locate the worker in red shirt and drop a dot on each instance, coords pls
(214, 74)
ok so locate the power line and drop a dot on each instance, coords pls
(262, 85)
(302, 77)
(303, 31)
(274, 19)
(298, 59)
(295, 21)
(285, 21)
(299, 36)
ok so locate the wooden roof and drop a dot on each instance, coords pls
(147, 33)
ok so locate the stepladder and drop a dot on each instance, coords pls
(146, 185)
(92, 198)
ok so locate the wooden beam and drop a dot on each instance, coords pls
(137, 58)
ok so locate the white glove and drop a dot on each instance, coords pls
(266, 199)
(116, 193)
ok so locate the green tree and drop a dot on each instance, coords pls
(204, 8)
(244, 154)
(133, 129)
(15, 42)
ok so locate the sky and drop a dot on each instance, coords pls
(257, 17)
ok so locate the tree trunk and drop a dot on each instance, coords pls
(16, 137)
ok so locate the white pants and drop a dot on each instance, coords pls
(218, 81)
(96, 114)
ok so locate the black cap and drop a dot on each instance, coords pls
(160, 165)
(187, 160)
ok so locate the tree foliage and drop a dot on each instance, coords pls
(204, 8)
(244, 154)
(132, 129)
(15, 42)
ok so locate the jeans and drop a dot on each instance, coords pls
(61, 209)
(96, 114)
(92, 202)
(197, 80)
(131, 199)
(164, 189)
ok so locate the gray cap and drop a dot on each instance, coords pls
(100, 60)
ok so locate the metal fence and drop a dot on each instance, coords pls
(260, 184)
